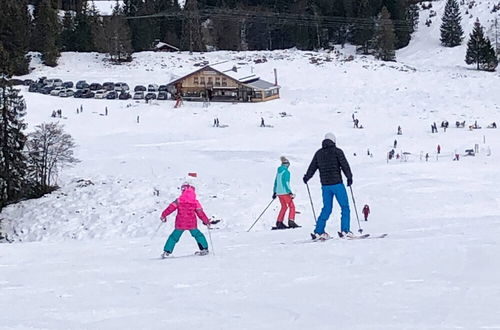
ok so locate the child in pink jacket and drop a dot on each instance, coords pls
(188, 209)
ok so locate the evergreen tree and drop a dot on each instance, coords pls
(45, 32)
(384, 39)
(97, 29)
(67, 32)
(118, 36)
(451, 29)
(14, 34)
(12, 140)
(363, 31)
(398, 10)
(191, 28)
(82, 37)
(480, 50)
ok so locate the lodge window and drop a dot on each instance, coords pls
(224, 82)
(202, 80)
(217, 81)
(210, 81)
(196, 80)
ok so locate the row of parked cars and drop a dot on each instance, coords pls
(107, 90)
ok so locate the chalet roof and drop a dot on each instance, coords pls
(161, 44)
(261, 84)
(234, 71)
(237, 72)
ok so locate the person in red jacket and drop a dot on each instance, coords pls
(188, 209)
(366, 211)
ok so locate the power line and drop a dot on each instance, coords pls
(280, 18)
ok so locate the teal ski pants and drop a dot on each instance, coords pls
(176, 235)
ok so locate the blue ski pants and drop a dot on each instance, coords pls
(329, 192)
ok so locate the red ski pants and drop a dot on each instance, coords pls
(286, 202)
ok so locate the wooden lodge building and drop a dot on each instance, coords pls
(223, 82)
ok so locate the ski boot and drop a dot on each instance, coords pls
(320, 237)
(346, 234)
(280, 225)
(202, 252)
(165, 254)
(292, 224)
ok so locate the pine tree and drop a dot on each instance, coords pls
(118, 36)
(82, 37)
(363, 32)
(384, 39)
(480, 50)
(67, 32)
(46, 32)
(191, 29)
(451, 29)
(14, 34)
(13, 164)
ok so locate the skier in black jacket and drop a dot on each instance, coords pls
(331, 161)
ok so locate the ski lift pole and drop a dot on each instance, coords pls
(356, 210)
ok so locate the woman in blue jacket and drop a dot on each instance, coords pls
(284, 192)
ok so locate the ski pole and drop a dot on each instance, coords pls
(154, 234)
(210, 238)
(260, 215)
(312, 205)
(356, 210)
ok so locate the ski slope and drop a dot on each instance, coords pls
(87, 256)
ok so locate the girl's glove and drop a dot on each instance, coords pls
(292, 195)
(163, 219)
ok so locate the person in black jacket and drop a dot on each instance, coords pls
(331, 161)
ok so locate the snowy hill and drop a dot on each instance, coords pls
(89, 252)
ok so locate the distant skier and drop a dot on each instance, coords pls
(284, 192)
(366, 211)
(427, 157)
(188, 208)
(331, 161)
(438, 149)
(400, 132)
(395, 143)
(262, 124)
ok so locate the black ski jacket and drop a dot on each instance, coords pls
(330, 160)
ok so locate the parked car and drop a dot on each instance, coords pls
(112, 95)
(88, 94)
(150, 96)
(124, 96)
(66, 93)
(162, 88)
(56, 91)
(79, 84)
(35, 87)
(140, 88)
(109, 86)
(162, 96)
(46, 89)
(28, 82)
(67, 84)
(101, 94)
(138, 95)
(78, 93)
(95, 87)
(152, 88)
(121, 86)
(54, 82)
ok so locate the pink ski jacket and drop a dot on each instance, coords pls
(187, 209)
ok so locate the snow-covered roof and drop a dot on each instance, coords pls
(237, 72)
(164, 44)
(261, 84)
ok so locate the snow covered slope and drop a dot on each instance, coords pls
(89, 257)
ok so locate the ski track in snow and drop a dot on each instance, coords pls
(87, 256)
